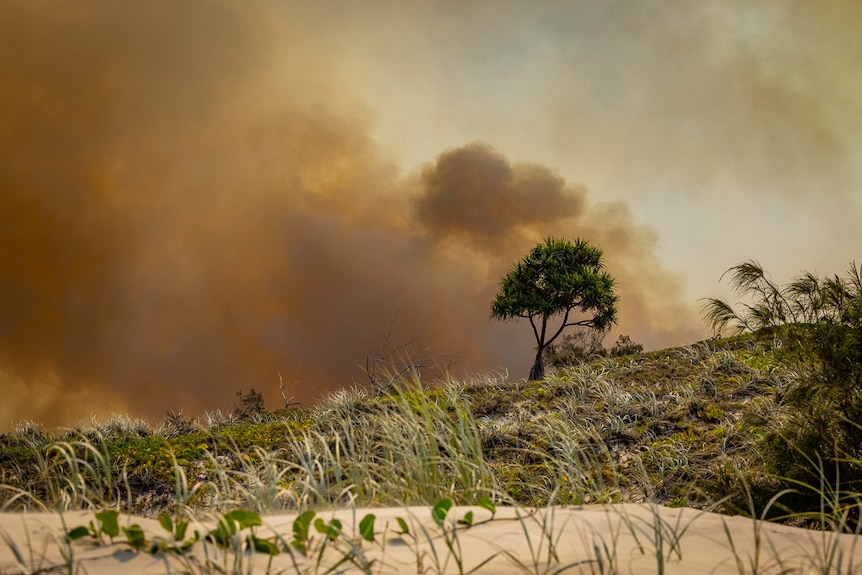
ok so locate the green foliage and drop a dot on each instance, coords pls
(108, 520)
(135, 537)
(366, 527)
(557, 277)
(440, 510)
(819, 439)
(827, 403)
(333, 536)
(515, 439)
(107, 523)
(227, 535)
(234, 536)
(176, 528)
(449, 529)
(807, 299)
(302, 530)
(232, 523)
(663, 427)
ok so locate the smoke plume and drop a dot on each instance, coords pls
(180, 222)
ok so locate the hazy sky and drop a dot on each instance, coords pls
(198, 195)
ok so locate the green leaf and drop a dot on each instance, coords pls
(186, 545)
(486, 503)
(263, 546)
(135, 536)
(302, 525)
(77, 533)
(167, 523)
(109, 523)
(366, 527)
(439, 511)
(245, 518)
(181, 527)
(467, 519)
(405, 530)
(223, 532)
(332, 529)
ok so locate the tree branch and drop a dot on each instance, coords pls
(563, 326)
(535, 331)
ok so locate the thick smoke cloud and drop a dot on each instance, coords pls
(475, 195)
(177, 226)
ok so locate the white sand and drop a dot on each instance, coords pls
(630, 538)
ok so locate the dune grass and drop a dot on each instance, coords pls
(679, 428)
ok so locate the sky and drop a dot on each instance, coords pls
(199, 197)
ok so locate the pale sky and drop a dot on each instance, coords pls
(733, 129)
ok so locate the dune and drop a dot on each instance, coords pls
(624, 538)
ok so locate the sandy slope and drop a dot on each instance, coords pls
(619, 538)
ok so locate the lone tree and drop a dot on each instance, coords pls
(556, 278)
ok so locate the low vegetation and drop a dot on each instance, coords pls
(683, 426)
(763, 423)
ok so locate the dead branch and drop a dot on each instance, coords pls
(288, 402)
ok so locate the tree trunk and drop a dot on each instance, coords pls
(537, 372)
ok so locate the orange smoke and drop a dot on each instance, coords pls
(173, 232)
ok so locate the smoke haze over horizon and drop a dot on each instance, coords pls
(198, 196)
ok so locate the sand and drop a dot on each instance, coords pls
(627, 538)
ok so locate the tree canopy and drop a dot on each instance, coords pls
(557, 278)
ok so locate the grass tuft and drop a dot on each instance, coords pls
(685, 427)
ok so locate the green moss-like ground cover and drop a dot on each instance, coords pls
(679, 426)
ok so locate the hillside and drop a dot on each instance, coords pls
(680, 427)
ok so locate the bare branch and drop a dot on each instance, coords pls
(393, 364)
(288, 401)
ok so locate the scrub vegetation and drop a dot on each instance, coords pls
(692, 425)
(764, 423)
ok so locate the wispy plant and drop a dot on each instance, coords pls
(806, 299)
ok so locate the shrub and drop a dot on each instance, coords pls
(586, 344)
(249, 406)
(625, 346)
(819, 444)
